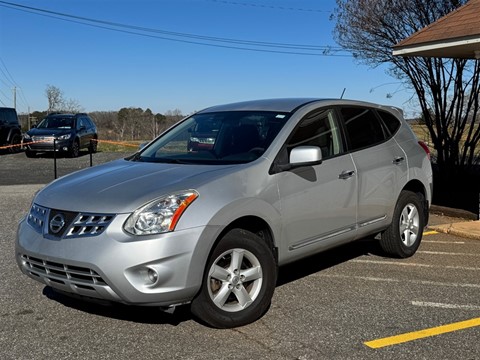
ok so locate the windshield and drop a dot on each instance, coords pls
(56, 123)
(216, 138)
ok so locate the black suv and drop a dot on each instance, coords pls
(71, 133)
(10, 132)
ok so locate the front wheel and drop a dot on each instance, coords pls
(15, 142)
(30, 154)
(238, 283)
(402, 238)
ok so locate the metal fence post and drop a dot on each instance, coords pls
(55, 157)
(90, 151)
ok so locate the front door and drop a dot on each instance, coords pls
(318, 203)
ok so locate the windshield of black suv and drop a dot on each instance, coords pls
(56, 123)
(231, 137)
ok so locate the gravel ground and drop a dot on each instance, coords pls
(17, 169)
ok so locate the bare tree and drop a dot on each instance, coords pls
(105, 121)
(72, 106)
(56, 101)
(172, 117)
(447, 89)
(55, 98)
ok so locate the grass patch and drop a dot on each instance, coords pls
(119, 146)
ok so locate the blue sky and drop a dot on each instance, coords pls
(107, 70)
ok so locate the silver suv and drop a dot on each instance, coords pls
(283, 179)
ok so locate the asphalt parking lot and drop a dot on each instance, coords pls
(327, 307)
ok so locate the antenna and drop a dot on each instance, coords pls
(343, 92)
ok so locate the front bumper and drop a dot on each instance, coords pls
(46, 144)
(115, 266)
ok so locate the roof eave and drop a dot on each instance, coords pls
(467, 48)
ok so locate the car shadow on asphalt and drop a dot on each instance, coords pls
(152, 315)
(327, 259)
(137, 314)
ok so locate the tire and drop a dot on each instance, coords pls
(30, 154)
(15, 140)
(92, 147)
(238, 283)
(75, 149)
(402, 238)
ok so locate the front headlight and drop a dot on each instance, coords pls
(64, 137)
(26, 136)
(161, 215)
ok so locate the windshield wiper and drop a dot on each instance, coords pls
(134, 157)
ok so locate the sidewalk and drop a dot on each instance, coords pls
(454, 222)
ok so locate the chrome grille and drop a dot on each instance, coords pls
(77, 224)
(37, 217)
(88, 225)
(45, 139)
(61, 273)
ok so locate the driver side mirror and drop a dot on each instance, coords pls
(305, 155)
(299, 157)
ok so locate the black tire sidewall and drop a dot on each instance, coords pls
(204, 308)
(75, 150)
(405, 198)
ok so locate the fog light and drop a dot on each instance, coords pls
(152, 275)
(65, 148)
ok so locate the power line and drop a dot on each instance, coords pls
(12, 82)
(8, 77)
(275, 7)
(259, 46)
(6, 96)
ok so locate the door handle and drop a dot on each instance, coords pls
(398, 160)
(346, 174)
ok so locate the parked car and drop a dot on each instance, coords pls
(10, 131)
(71, 133)
(203, 135)
(285, 179)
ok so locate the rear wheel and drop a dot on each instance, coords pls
(238, 283)
(93, 146)
(402, 238)
(75, 149)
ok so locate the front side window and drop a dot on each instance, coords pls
(363, 127)
(217, 138)
(319, 128)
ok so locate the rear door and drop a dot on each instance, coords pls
(381, 166)
(318, 203)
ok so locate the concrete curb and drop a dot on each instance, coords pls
(458, 213)
(469, 230)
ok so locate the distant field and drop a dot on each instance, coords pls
(119, 146)
(422, 134)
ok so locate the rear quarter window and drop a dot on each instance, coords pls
(390, 121)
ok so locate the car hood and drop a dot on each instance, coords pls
(123, 186)
(48, 132)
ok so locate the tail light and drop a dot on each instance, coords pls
(425, 148)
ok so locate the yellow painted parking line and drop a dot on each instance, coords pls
(398, 339)
(433, 232)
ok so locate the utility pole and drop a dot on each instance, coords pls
(15, 98)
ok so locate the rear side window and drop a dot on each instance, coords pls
(390, 121)
(363, 127)
(89, 122)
